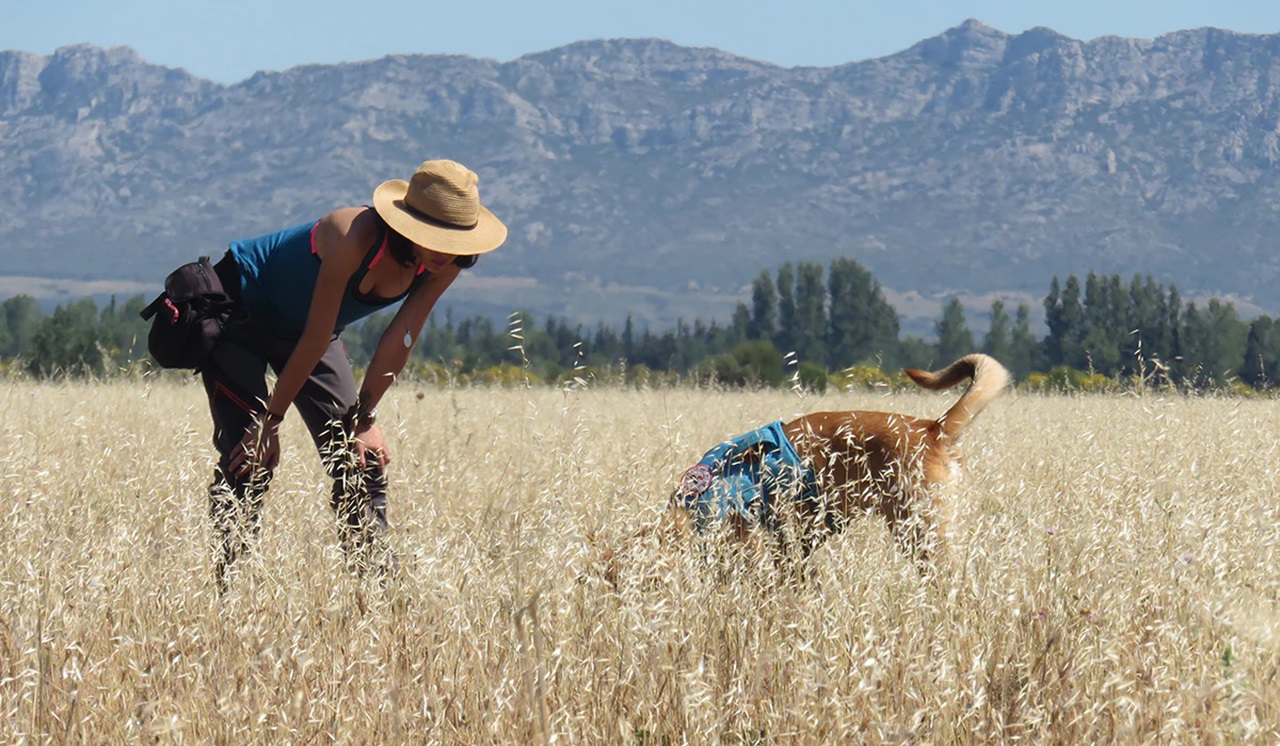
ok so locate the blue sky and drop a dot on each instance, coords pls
(228, 40)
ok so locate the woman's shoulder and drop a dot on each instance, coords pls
(348, 220)
(349, 229)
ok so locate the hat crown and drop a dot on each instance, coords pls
(439, 209)
(445, 191)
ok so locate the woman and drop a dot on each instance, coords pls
(301, 287)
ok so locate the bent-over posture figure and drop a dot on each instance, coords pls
(299, 288)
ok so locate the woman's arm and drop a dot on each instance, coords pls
(389, 359)
(394, 346)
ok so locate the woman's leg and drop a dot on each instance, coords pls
(235, 382)
(359, 497)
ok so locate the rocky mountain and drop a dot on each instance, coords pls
(637, 175)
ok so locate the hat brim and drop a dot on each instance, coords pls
(486, 235)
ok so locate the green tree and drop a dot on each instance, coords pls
(785, 339)
(628, 339)
(8, 347)
(606, 348)
(1074, 324)
(691, 345)
(122, 331)
(1158, 336)
(997, 341)
(1261, 353)
(67, 342)
(914, 352)
(1228, 335)
(764, 308)
(753, 362)
(437, 343)
(1023, 345)
(1106, 316)
(811, 313)
(954, 338)
(1064, 316)
(1053, 319)
(740, 325)
(1173, 325)
(1213, 343)
(1148, 341)
(860, 323)
(22, 319)
(1192, 342)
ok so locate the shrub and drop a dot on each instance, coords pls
(506, 374)
(863, 377)
(812, 376)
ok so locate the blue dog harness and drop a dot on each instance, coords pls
(746, 477)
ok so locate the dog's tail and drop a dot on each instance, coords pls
(989, 378)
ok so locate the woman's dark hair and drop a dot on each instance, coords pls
(402, 249)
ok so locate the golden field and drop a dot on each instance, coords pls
(1117, 581)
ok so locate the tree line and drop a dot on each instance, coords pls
(804, 319)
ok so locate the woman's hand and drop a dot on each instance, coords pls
(369, 443)
(259, 449)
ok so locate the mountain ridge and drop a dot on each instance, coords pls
(645, 176)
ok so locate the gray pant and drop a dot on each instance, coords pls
(235, 382)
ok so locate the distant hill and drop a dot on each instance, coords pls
(637, 175)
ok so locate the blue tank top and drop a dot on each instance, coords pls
(278, 273)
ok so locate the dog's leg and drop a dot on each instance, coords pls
(797, 531)
(916, 528)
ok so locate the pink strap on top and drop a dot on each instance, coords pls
(381, 250)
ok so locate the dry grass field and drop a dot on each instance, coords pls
(1118, 581)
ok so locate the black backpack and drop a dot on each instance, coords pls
(188, 317)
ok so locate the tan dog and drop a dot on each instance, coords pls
(904, 468)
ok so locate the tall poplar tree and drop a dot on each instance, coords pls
(785, 339)
(1023, 346)
(764, 308)
(811, 313)
(1261, 366)
(997, 341)
(860, 323)
(954, 338)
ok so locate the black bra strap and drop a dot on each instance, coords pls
(369, 256)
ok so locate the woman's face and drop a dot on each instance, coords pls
(408, 252)
(434, 260)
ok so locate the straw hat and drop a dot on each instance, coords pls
(439, 209)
